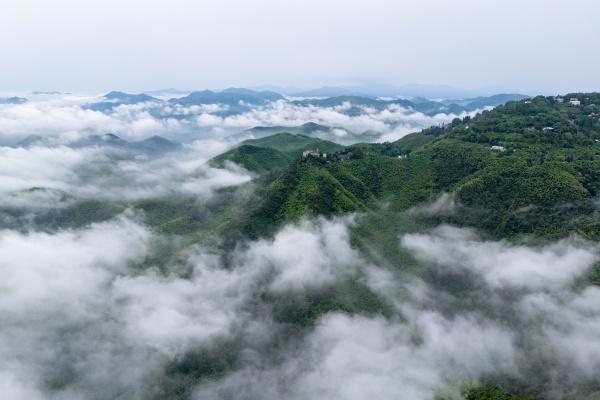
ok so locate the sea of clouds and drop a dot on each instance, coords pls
(86, 315)
(66, 117)
(82, 320)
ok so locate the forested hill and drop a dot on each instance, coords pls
(526, 168)
(526, 173)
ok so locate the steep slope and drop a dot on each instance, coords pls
(273, 152)
(119, 98)
(231, 97)
(293, 145)
(332, 134)
(254, 158)
(543, 185)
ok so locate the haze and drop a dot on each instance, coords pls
(492, 46)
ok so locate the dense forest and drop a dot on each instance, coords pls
(523, 173)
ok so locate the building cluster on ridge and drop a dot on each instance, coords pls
(573, 100)
(314, 153)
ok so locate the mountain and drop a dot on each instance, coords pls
(328, 91)
(484, 231)
(51, 93)
(333, 134)
(535, 181)
(107, 140)
(251, 94)
(273, 152)
(433, 91)
(493, 101)
(126, 98)
(162, 92)
(30, 140)
(13, 100)
(253, 158)
(294, 144)
(120, 148)
(432, 108)
(157, 144)
(277, 89)
(342, 100)
(233, 97)
(119, 98)
(355, 105)
(377, 90)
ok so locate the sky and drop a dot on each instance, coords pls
(531, 46)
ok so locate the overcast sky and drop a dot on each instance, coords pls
(530, 46)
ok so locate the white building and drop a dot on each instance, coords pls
(498, 148)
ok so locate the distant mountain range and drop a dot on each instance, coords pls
(355, 104)
(239, 100)
(374, 90)
(154, 145)
(329, 91)
(116, 99)
(163, 92)
(231, 96)
(12, 100)
(50, 93)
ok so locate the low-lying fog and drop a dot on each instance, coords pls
(85, 315)
(65, 117)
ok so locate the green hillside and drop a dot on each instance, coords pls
(541, 187)
(525, 172)
(294, 145)
(272, 153)
(542, 184)
(254, 158)
(311, 129)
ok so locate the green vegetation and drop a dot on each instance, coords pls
(293, 145)
(350, 296)
(254, 159)
(272, 153)
(480, 391)
(541, 185)
(492, 393)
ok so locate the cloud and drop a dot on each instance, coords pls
(64, 118)
(313, 255)
(359, 357)
(532, 292)
(54, 305)
(93, 173)
(98, 325)
(87, 316)
(500, 264)
(90, 313)
(42, 167)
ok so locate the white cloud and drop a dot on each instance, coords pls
(500, 264)
(359, 357)
(313, 255)
(65, 118)
(92, 173)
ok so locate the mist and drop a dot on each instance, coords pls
(65, 118)
(88, 322)
(119, 308)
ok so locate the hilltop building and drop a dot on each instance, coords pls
(314, 153)
(498, 148)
